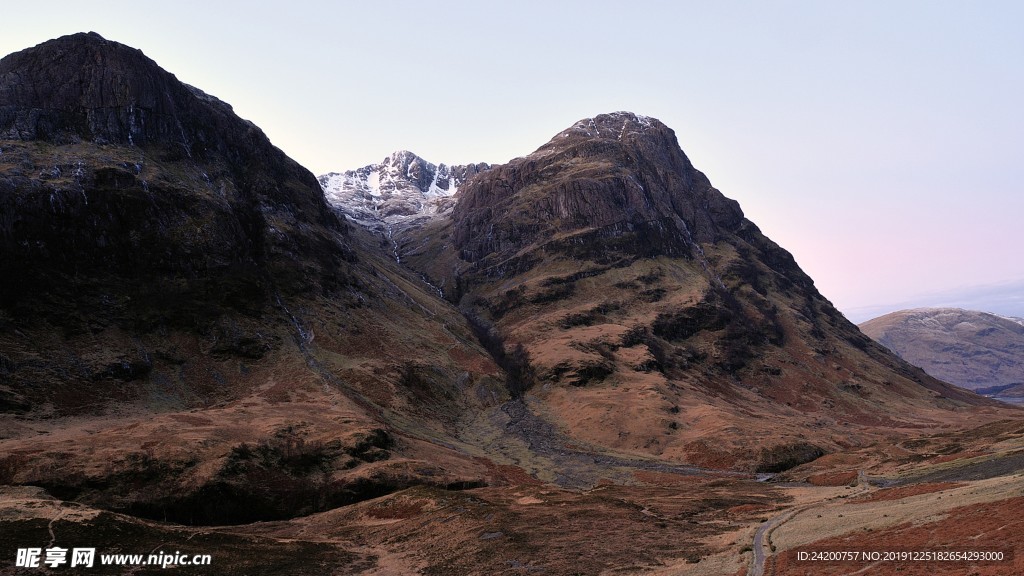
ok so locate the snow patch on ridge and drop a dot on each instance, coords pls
(401, 191)
(615, 125)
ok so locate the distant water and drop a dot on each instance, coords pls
(1018, 401)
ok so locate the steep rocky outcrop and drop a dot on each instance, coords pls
(618, 184)
(974, 350)
(83, 88)
(617, 174)
(132, 204)
(114, 167)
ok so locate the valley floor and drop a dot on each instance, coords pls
(902, 498)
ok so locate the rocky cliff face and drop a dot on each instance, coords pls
(618, 183)
(974, 350)
(131, 203)
(616, 174)
(85, 89)
(112, 166)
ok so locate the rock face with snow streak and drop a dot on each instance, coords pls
(400, 191)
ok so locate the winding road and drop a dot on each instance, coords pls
(762, 537)
(762, 540)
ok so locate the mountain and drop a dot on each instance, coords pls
(167, 270)
(974, 350)
(400, 191)
(134, 203)
(637, 310)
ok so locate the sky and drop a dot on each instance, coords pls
(879, 142)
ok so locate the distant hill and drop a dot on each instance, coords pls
(975, 350)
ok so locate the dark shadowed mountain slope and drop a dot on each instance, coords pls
(974, 350)
(132, 202)
(187, 330)
(113, 166)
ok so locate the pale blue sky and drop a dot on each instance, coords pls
(880, 142)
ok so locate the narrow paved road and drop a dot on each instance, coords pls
(762, 538)
(762, 541)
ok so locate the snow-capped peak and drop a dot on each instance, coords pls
(399, 190)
